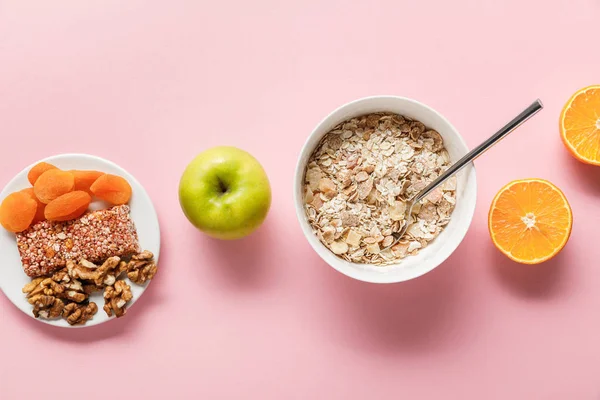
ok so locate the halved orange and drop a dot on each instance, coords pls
(530, 220)
(580, 125)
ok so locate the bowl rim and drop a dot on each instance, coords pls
(298, 203)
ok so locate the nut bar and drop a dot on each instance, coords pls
(96, 236)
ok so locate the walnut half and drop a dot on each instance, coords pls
(42, 286)
(47, 307)
(79, 314)
(98, 275)
(116, 298)
(141, 268)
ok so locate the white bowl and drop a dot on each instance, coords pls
(439, 249)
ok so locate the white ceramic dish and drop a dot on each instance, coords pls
(439, 249)
(12, 277)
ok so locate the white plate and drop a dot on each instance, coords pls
(12, 277)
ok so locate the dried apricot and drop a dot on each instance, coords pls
(68, 206)
(17, 211)
(37, 170)
(39, 214)
(85, 179)
(112, 188)
(52, 184)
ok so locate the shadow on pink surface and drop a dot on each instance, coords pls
(542, 281)
(243, 264)
(585, 176)
(418, 316)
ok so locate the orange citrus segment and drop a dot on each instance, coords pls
(580, 125)
(530, 220)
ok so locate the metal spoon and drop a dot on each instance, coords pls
(460, 164)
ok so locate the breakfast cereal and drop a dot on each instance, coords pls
(360, 179)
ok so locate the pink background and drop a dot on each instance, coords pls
(149, 84)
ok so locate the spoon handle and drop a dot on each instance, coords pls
(479, 150)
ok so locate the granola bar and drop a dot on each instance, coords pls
(96, 236)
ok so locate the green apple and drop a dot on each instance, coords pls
(225, 193)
